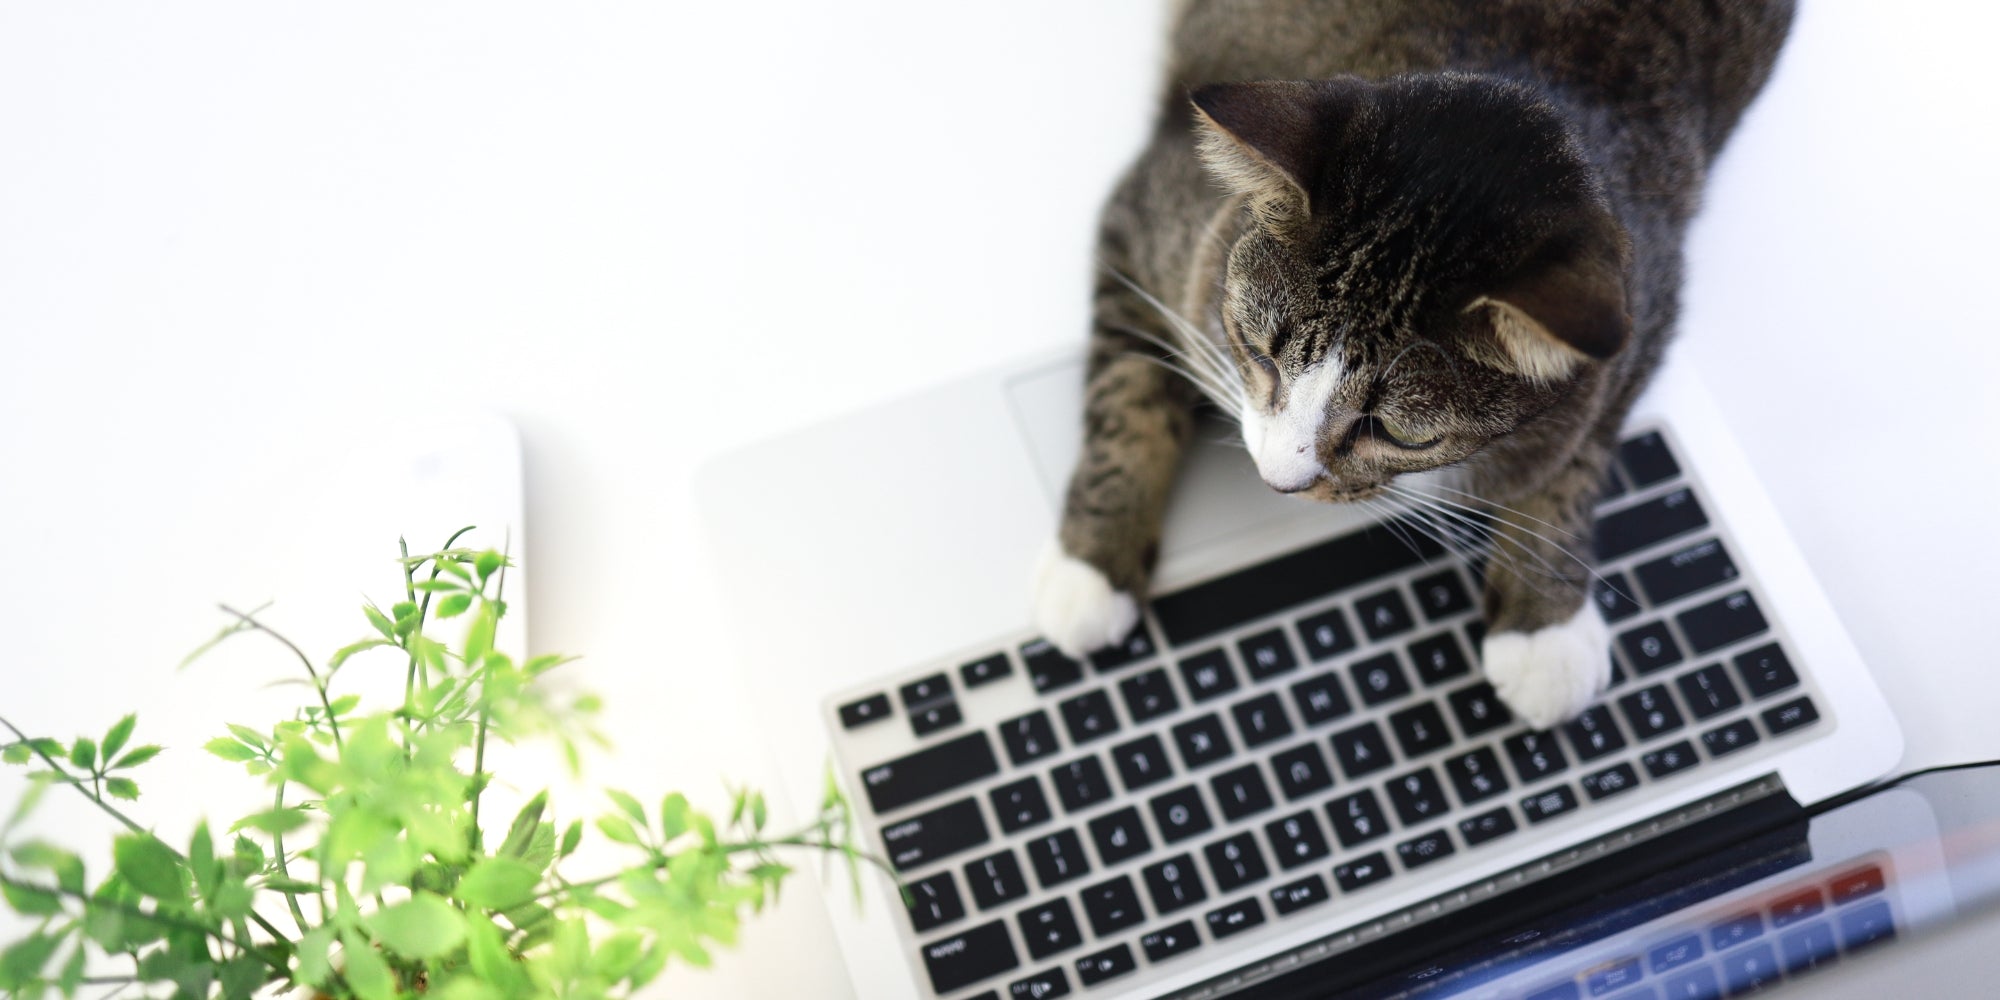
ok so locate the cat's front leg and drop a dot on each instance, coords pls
(1547, 651)
(1092, 579)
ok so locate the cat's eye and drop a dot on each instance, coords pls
(1399, 435)
(1263, 361)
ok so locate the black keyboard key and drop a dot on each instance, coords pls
(1380, 679)
(1081, 783)
(1420, 851)
(1649, 523)
(1208, 675)
(1044, 985)
(1119, 835)
(1235, 862)
(1292, 897)
(1019, 805)
(1866, 926)
(970, 956)
(1709, 692)
(1646, 460)
(1478, 709)
(1442, 595)
(1048, 669)
(1296, 840)
(1267, 654)
(1362, 871)
(1721, 622)
(1028, 737)
(996, 879)
(934, 902)
(1610, 781)
(1287, 581)
(1535, 756)
(1384, 614)
(1240, 792)
(925, 690)
(1789, 716)
(1613, 486)
(860, 713)
(1088, 716)
(1670, 759)
(1057, 857)
(1261, 719)
(1142, 762)
(1765, 670)
(1326, 635)
(1487, 826)
(985, 671)
(1547, 805)
(1650, 711)
(1179, 814)
(1417, 796)
(1149, 695)
(932, 771)
(1439, 659)
(1729, 738)
(1476, 775)
(1301, 771)
(1357, 818)
(1650, 647)
(1594, 733)
(935, 716)
(1127, 651)
(1110, 963)
(1420, 729)
(1202, 741)
(1167, 942)
(1615, 598)
(1049, 928)
(1698, 567)
(1173, 884)
(1321, 699)
(1235, 918)
(1112, 906)
(928, 836)
(1361, 750)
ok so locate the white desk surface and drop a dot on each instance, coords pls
(650, 233)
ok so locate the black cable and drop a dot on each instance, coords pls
(1857, 794)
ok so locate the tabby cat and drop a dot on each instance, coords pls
(1427, 252)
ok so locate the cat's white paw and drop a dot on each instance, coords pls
(1076, 608)
(1549, 675)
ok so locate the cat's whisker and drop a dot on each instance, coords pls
(1497, 544)
(1200, 346)
(1476, 498)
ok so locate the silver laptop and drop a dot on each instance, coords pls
(1293, 767)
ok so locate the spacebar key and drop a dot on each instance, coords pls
(920, 775)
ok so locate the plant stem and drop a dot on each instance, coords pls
(278, 847)
(485, 713)
(332, 723)
(156, 916)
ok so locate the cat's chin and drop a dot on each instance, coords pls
(1076, 607)
(1551, 674)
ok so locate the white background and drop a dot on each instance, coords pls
(232, 233)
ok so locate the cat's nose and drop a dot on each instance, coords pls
(1291, 484)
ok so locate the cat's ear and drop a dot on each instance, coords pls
(1565, 305)
(1268, 140)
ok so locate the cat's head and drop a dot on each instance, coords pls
(1430, 264)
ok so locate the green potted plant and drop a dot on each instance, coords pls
(374, 873)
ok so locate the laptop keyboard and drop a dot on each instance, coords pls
(1309, 727)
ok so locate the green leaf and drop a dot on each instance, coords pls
(479, 637)
(628, 805)
(312, 963)
(571, 838)
(228, 749)
(438, 586)
(71, 978)
(83, 753)
(150, 866)
(341, 655)
(345, 703)
(379, 620)
(674, 812)
(273, 821)
(117, 735)
(22, 962)
(486, 949)
(16, 753)
(499, 883)
(122, 788)
(758, 812)
(617, 829)
(68, 868)
(138, 755)
(250, 736)
(248, 853)
(290, 886)
(421, 927)
(487, 563)
(455, 605)
(521, 834)
(201, 861)
(367, 973)
(31, 900)
(408, 616)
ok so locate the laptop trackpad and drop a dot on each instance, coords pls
(1218, 492)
